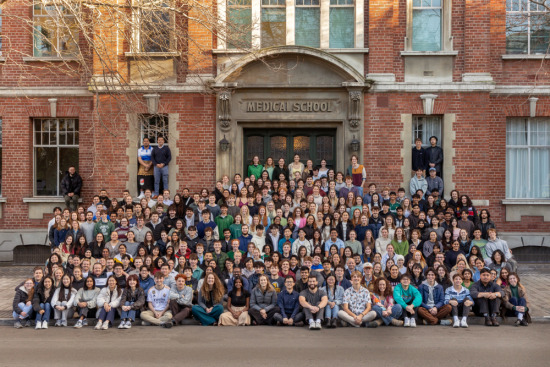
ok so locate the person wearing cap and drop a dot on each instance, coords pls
(368, 277)
(434, 156)
(409, 298)
(418, 182)
(434, 182)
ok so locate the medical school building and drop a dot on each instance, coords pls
(322, 78)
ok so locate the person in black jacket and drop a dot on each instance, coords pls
(419, 157)
(71, 185)
(434, 156)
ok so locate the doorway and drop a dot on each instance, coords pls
(314, 144)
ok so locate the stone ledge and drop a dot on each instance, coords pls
(46, 199)
(524, 57)
(3, 200)
(525, 202)
(429, 53)
(49, 59)
(40, 205)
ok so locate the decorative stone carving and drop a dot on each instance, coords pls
(533, 106)
(152, 101)
(428, 102)
(354, 113)
(53, 107)
(225, 110)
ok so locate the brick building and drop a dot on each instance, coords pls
(321, 75)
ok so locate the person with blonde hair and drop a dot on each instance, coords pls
(263, 302)
(209, 307)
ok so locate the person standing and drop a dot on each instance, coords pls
(145, 174)
(71, 185)
(358, 174)
(418, 156)
(161, 158)
(434, 156)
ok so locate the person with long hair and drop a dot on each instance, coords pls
(515, 300)
(433, 308)
(263, 302)
(107, 301)
(387, 311)
(85, 301)
(22, 304)
(409, 298)
(238, 304)
(41, 302)
(209, 307)
(63, 300)
(335, 294)
(132, 300)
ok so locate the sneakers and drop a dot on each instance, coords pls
(524, 322)
(145, 323)
(44, 324)
(312, 325)
(38, 325)
(456, 324)
(128, 324)
(445, 322)
(396, 322)
(57, 323)
(78, 324)
(64, 323)
(318, 325)
(166, 325)
(18, 325)
(413, 322)
(105, 326)
(407, 322)
(374, 324)
(98, 325)
(122, 324)
(28, 323)
(85, 322)
(463, 324)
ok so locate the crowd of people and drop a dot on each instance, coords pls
(288, 244)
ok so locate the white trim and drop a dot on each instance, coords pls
(525, 201)
(431, 87)
(45, 199)
(49, 59)
(3, 199)
(151, 54)
(45, 92)
(429, 53)
(524, 56)
(222, 21)
(325, 24)
(256, 23)
(290, 23)
(522, 89)
(360, 24)
(329, 50)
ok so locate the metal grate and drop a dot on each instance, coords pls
(30, 254)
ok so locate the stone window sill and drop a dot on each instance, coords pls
(429, 53)
(329, 50)
(525, 57)
(3, 200)
(526, 202)
(49, 59)
(137, 55)
(2, 59)
(46, 199)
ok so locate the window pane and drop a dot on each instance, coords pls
(254, 146)
(278, 147)
(342, 30)
(45, 163)
(540, 33)
(154, 126)
(273, 27)
(425, 127)
(540, 173)
(68, 38)
(516, 132)
(301, 147)
(426, 30)
(67, 157)
(239, 20)
(155, 34)
(308, 27)
(44, 37)
(516, 34)
(325, 148)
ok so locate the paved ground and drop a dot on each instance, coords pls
(535, 277)
(272, 346)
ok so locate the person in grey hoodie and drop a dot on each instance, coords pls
(418, 182)
(85, 301)
(263, 302)
(63, 301)
(181, 300)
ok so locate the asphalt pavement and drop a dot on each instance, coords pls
(277, 346)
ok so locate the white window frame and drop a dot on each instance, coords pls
(143, 119)
(446, 29)
(136, 45)
(540, 10)
(359, 37)
(529, 147)
(57, 145)
(270, 6)
(415, 129)
(62, 20)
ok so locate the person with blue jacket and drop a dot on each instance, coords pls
(335, 294)
(433, 307)
(409, 298)
(289, 305)
(146, 281)
(460, 300)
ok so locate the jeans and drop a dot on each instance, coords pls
(207, 318)
(64, 314)
(360, 189)
(396, 312)
(107, 316)
(25, 308)
(161, 173)
(331, 313)
(517, 302)
(128, 314)
(299, 317)
(461, 310)
(46, 315)
(71, 202)
(487, 306)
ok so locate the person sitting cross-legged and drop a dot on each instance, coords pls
(357, 304)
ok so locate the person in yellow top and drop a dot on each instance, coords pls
(295, 166)
(358, 174)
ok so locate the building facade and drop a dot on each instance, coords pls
(324, 78)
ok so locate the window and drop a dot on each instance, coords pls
(55, 31)
(308, 23)
(342, 29)
(239, 23)
(154, 126)
(426, 27)
(425, 127)
(55, 149)
(527, 27)
(528, 158)
(273, 23)
(156, 26)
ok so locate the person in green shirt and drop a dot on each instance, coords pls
(400, 243)
(219, 256)
(224, 220)
(479, 242)
(409, 298)
(235, 228)
(255, 168)
(356, 247)
(104, 226)
(235, 243)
